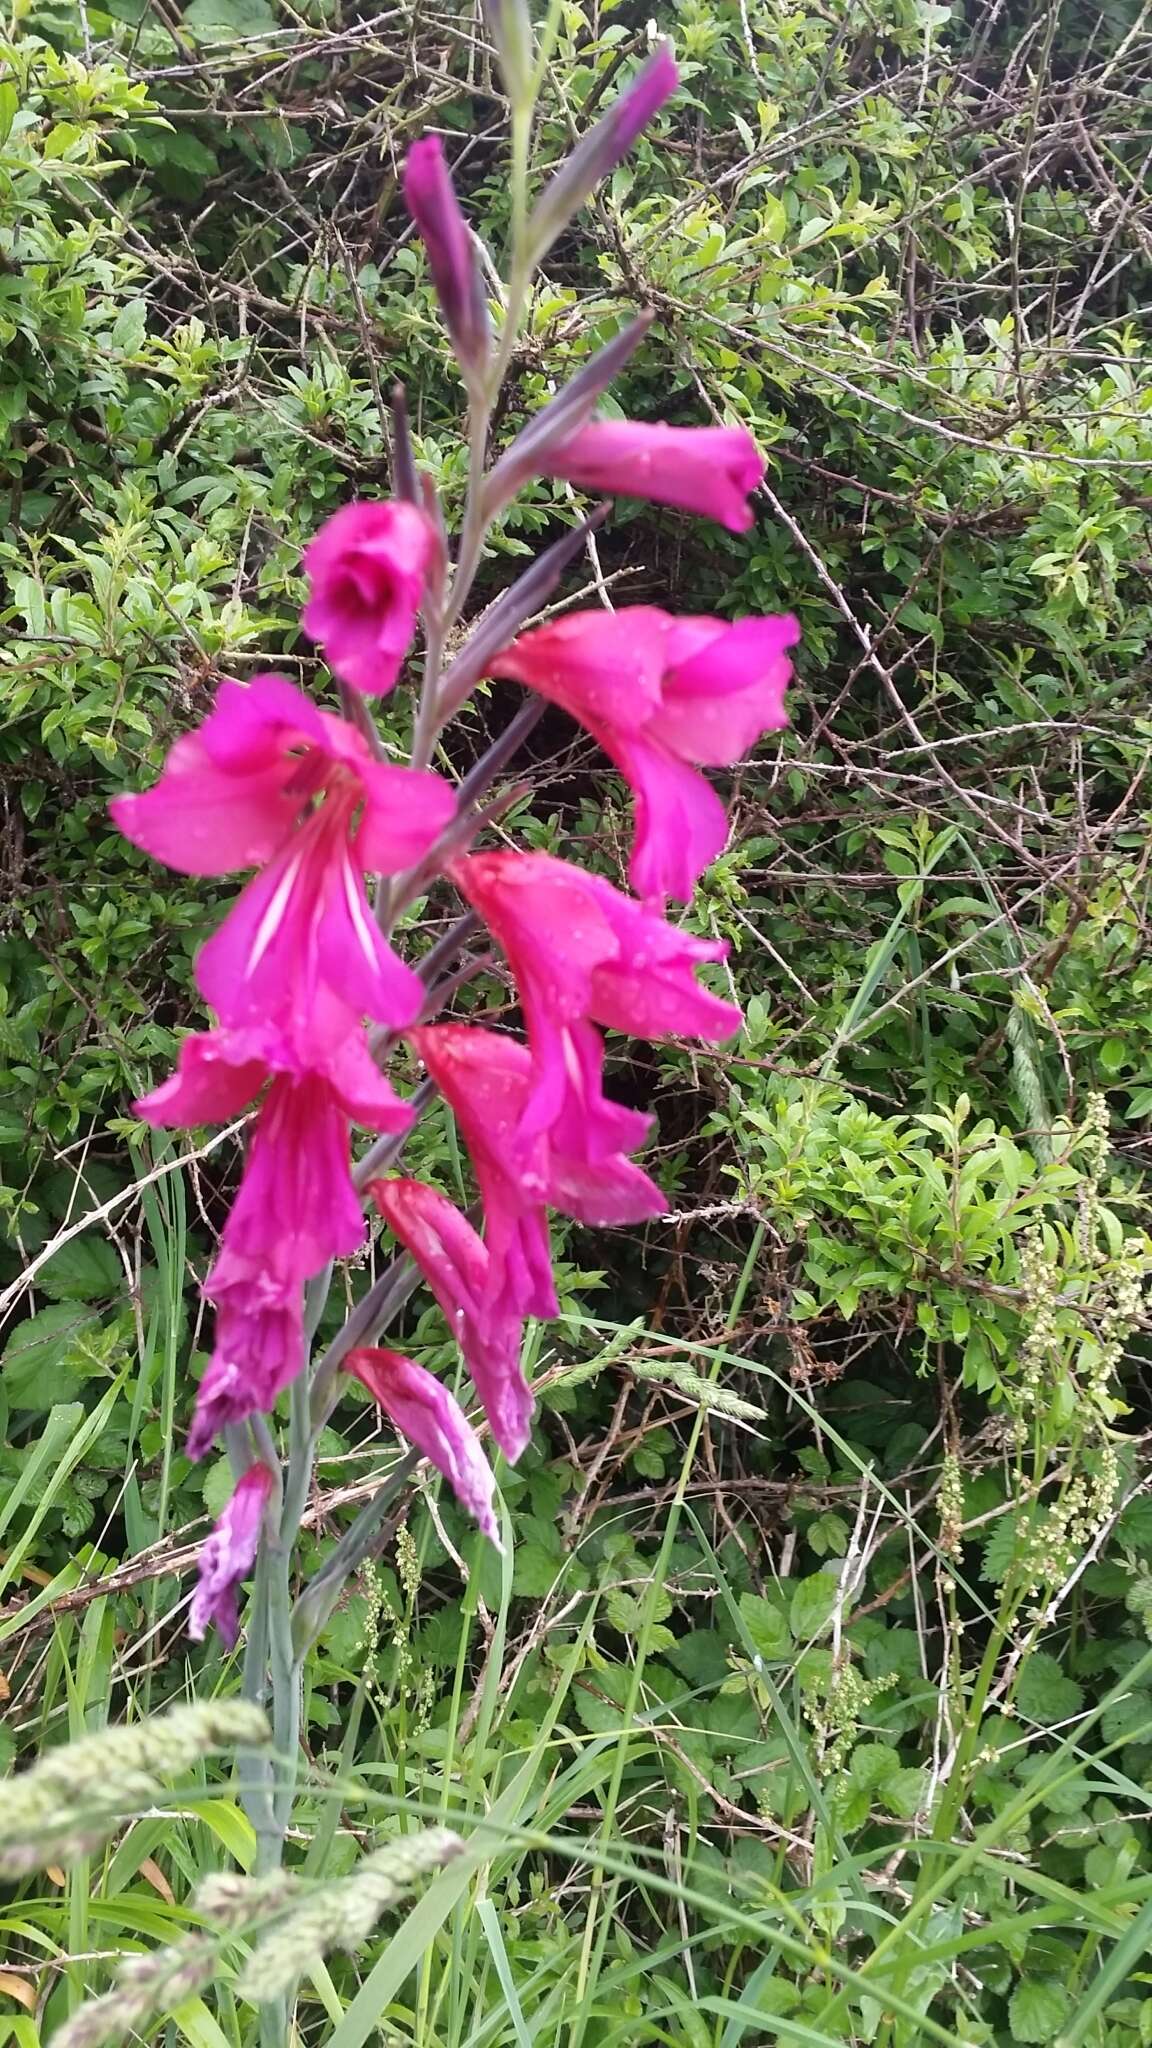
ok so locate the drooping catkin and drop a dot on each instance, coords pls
(69, 1802)
(342, 1914)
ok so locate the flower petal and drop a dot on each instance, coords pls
(720, 700)
(405, 810)
(432, 1419)
(681, 823)
(455, 1262)
(227, 1557)
(707, 470)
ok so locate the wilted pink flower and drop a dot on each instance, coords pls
(227, 1557)
(577, 1165)
(366, 571)
(454, 1260)
(707, 470)
(259, 1345)
(432, 1419)
(661, 693)
(296, 1208)
(269, 780)
(452, 258)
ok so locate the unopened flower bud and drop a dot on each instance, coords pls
(452, 255)
(599, 152)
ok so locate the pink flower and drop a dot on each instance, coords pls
(227, 1557)
(578, 1166)
(269, 780)
(708, 470)
(580, 948)
(454, 1261)
(259, 1345)
(452, 259)
(366, 571)
(296, 1208)
(661, 694)
(432, 1419)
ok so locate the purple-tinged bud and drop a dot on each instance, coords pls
(599, 152)
(452, 256)
(562, 417)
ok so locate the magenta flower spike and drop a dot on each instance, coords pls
(454, 1261)
(269, 780)
(452, 255)
(663, 695)
(228, 1556)
(706, 470)
(296, 1207)
(432, 1419)
(367, 569)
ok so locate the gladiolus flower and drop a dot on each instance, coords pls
(452, 259)
(366, 571)
(580, 948)
(432, 1419)
(270, 781)
(661, 694)
(706, 470)
(454, 1261)
(296, 1208)
(227, 1558)
(578, 1165)
(259, 1345)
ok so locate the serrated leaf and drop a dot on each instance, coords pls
(1008, 1537)
(85, 1270)
(903, 1792)
(534, 1571)
(812, 1605)
(872, 1764)
(599, 1699)
(1037, 2009)
(1045, 1693)
(767, 1626)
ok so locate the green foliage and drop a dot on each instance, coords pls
(815, 1703)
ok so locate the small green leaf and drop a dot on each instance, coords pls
(130, 327)
(535, 1571)
(85, 1270)
(1045, 1693)
(9, 107)
(812, 1606)
(43, 1363)
(218, 1484)
(1037, 2009)
(767, 1627)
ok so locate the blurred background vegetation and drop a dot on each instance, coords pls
(814, 1703)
